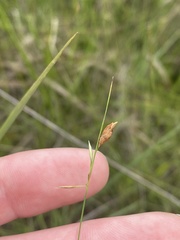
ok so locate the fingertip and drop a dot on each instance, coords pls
(30, 179)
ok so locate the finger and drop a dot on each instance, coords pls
(144, 226)
(29, 180)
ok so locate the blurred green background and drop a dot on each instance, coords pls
(137, 42)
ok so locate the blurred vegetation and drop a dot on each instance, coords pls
(137, 42)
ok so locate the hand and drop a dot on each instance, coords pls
(28, 183)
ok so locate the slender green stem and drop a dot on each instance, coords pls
(19, 107)
(92, 160)
(82, 211)
(104, 118)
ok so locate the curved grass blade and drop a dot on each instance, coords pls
(19, 107)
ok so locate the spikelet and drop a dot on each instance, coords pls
(107, 133)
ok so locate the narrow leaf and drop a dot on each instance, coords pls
(90, 151)
(19, 107)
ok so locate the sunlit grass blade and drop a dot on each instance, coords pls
(90, 151)
(19, 107)
(73, 186)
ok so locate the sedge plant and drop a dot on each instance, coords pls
(104, 135)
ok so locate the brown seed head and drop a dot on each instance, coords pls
(107, 132)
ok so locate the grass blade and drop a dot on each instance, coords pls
(19, 107)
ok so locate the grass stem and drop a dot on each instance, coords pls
(92, 159)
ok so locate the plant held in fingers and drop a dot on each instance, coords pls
(104, 136)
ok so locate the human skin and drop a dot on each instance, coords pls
(28, 187)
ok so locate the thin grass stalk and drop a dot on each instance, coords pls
(92, 160)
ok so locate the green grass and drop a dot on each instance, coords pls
(137, 42)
